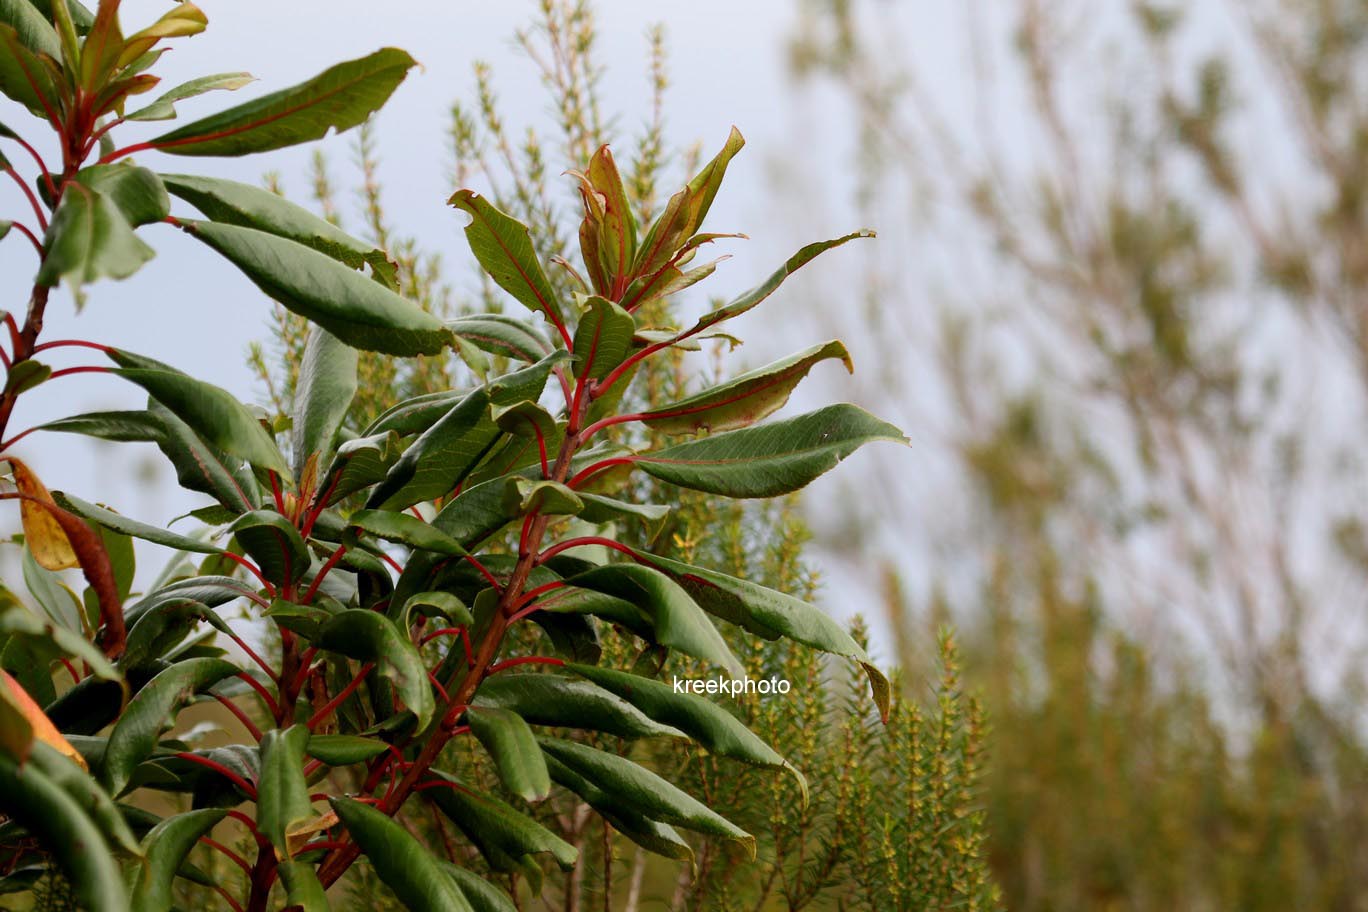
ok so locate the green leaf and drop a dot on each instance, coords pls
(443, 604)
(482, 895)
(651, 835)
(513, 748)
(282, 794)
(503, 247)
(274, 543)
(90, 239)
(525, 419)
(699, 718)
(94, 801)
(303, 891)
(165, 848)
(684, 213)
(771, 459)
(57, 601)
(33, 800)
(549, 699)
(441, 457)
(370, 637)
(201, 467)
(402, 862)
(232, 203)
(638, 788)
(771, 614)
(599, 509)
(211, 411)
(407, 530)
(501, 335)
(34, 29)
(750, 299)
(746, 399)
(25, 77)
(129, 426)
(25, 375)
(360, 463)
(344, 750)
(323, 393)
(523, 495)
(497, 828)
(137, 192)
(152, 712)
(164, 108)
(679, 622)
(123, 525)
(603, 338)
(360, 312)
(339, 98)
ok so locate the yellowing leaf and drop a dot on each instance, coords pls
(184, 19)
(40, 727)
(298, 835)
(50, 546)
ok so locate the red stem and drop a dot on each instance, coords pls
(32, 199)
(232, 856)
(265, 694)
(484, 571)
(275, 492)
(222, 771)
(242, 716)
(244, 562)
(24, 230)
(126, 150)
(252, 654)
(327, 708)
(70, 343)
(445, 631)
(42, 165)
(68, 371)
(524, 660)
(586, 540)
(318, 580)
(601, 466)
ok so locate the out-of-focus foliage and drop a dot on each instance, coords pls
(1130, 247)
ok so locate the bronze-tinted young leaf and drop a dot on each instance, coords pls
(371, 637)
(603, 338)
(165, 849)
(402, 862)
(746, 399)
(608, 233)
(750, 299)
(639, 788)
(153, 711)
(770, 459)
(89, 239)
(164, 108)
(56, 821)
(338, 99)
(229, 202)
(323, 393)
(679, 622)
(684, 213)
(181, 21)
(503, 247)
(361, 312)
